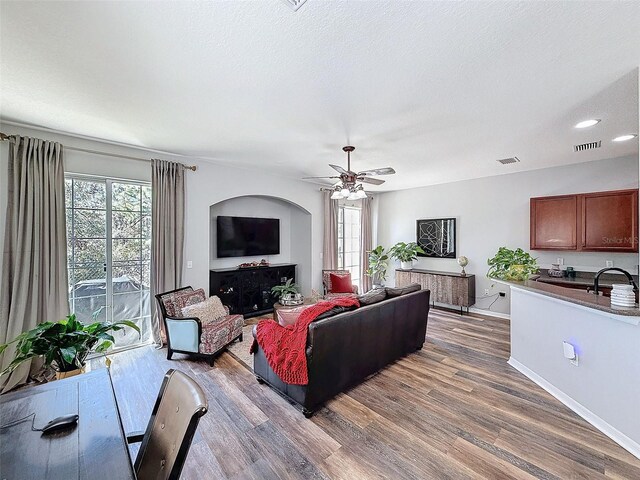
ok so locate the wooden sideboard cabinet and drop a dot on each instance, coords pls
(446, 287)
(589, 222)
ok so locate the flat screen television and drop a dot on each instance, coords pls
(247, 237)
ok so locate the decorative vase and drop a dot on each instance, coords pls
(406, 265)
(463, 262)
(71, 373)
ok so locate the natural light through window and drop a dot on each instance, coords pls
(349, 241)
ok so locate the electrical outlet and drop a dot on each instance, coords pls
(608, 263)
(189, 264)
(486, 292)
(560, 261)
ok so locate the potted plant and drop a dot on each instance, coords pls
(406, 253)
(510, 264)
(65, 344)
(378, 264)
(288, 293)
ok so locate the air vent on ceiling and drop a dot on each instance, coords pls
(508, 161)
(587, 146)
(294, 4)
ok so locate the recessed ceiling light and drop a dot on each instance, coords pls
(624, 138)
(587, 123)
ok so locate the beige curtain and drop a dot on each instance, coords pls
(330, 240)
(167, 233)
(34, 274)
(366, 245)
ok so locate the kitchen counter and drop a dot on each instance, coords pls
(585, 279)
(577, 297)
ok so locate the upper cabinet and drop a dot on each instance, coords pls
(553, 223)
(596, 222)
(610, 221)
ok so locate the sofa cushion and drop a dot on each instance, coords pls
(209, 311)
(168, 301)
(334, 311)
(341, 283)
(216, 336)
(398, 291)
(177, 302)
(372, 296)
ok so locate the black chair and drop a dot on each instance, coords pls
(165, 444)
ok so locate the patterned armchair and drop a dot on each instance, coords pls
(326, 283)
(189, 335)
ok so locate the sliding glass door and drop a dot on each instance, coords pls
(109, 252)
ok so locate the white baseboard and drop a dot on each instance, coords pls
(620, 438)
(490, 313)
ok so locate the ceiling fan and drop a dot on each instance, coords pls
(348, 186)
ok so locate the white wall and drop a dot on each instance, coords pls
(494, 211)
(210, 184)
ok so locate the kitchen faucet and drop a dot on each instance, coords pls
(596, 280)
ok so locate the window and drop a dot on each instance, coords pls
(349, 241)
(109, 253)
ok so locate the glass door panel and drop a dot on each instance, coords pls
(109, 253)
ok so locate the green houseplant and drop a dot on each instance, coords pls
(378, 264)
(406, 253)
(289, 289)
(510, 264)
(64, 344)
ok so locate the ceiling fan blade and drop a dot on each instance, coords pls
(378, 171)
(372, 181)
(311, 178)
(339, 169)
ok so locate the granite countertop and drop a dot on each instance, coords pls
(585, 279)
(575, 296)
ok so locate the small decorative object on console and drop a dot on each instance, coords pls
(288, 293)
(463, 262)
(261, 263)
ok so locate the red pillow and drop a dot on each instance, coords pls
(341, 283)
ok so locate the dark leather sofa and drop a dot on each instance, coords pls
(345, 349)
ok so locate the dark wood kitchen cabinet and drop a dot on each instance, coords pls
(590, 222)
(554, 223)
(610, 221)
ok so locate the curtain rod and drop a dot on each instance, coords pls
(4, 137)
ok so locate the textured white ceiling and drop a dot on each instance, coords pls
(438, 90)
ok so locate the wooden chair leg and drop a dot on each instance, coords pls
(240, 338)
(211, 360)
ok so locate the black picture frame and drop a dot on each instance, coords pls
(430, 234)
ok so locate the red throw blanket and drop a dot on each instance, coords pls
(285, 347)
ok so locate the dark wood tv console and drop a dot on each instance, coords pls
(247, 291)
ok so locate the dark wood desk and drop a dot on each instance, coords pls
(95, 449)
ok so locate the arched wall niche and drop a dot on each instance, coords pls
(295, 232)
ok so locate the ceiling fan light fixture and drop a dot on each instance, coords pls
(336, 195)
(345, 192)
(360, 194)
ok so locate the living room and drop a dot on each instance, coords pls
(164, 128)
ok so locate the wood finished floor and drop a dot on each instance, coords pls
(453, 410)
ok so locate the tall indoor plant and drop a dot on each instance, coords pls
(509, 264)
(378, 264)
(65, 344)
(406, 253)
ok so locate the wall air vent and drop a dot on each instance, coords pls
(587, 146)
(508, 161)
(294, 4)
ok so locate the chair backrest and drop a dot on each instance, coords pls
(179, 406)
(326, 278)
(164, 298)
